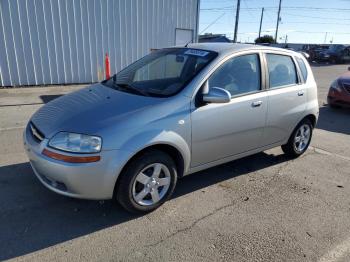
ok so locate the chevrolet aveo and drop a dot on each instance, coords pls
(173, 112)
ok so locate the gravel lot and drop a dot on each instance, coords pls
(260, 208)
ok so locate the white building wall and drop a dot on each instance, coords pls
(65, 41)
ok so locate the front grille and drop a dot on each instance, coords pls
(347, 87)
(37, 135)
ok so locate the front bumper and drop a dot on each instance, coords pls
(79, 180)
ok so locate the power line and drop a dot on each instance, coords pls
(300, 22)
(318, 17)
(286, 22)
(317, 8)
(313, 32)
(287, 7)
(249, 11)
(219, 17)
(314, 23)
(310, 32)
(295, 31)
(268, 16)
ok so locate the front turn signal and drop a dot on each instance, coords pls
(70, 159)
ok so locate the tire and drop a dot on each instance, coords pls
(294, 149)
(139, 189)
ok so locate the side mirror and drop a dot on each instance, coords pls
(217, 95)
(349, 68)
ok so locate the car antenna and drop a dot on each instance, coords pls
(186, 45)
(219, 17)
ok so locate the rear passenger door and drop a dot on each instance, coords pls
(286, 97)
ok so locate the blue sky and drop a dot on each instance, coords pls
(303, 21)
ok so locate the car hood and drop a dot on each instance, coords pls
(89, 110)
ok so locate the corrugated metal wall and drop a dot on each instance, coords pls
(65, 41)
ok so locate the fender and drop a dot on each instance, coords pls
(158, 137)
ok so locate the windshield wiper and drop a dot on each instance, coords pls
(129, 87)
(132, 88)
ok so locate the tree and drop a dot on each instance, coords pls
(265, 39)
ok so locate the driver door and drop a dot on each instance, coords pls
(228, 129)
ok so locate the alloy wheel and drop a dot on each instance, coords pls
(302, 138)
(151, 184)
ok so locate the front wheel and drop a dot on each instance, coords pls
(148, 181)
(300, 139)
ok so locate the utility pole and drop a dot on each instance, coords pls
(325, 38)
(261, 19)
(236, 23)
(278, 20)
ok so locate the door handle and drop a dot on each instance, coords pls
(256, 103)
(300, 93)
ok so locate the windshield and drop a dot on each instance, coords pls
(162, 73)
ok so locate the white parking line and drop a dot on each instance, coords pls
(337, 253)
(11, 128)
(324, 152)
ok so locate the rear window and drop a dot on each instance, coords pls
(281, 70)
(302, 67)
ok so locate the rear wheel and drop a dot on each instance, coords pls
(148, 181)
(300, 139)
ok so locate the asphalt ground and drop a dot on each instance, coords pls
(259, 208)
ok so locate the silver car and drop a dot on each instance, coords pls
(173, 112)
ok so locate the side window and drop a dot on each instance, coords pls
(302, 67)
(239, 75)
(281, 70)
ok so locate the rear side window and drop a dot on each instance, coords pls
(281, 70)
(302, 67)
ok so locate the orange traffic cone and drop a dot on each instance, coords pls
(108, 67)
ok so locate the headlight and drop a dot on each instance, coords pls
(76, 143)
(335, 86)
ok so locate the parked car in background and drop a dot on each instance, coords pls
(213, 38)
(335, 54)
(339, 91)
(174, 112)
(313, 50)
(305, 54)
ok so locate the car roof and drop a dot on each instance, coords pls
(226, 48)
